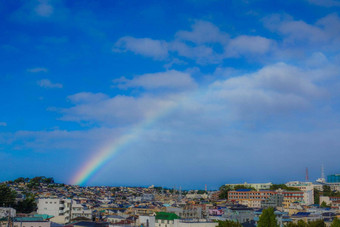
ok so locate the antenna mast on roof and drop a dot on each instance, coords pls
(180, 194)
(307, 177)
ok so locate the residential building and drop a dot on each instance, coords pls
(114, 218)
(63, 210)
(7, 212)
(164, 219)
(239, 214)
(275, 200)
(216, 212)
(330, 200)
(30, 222)
(147, 197)
(256, 186)
(249, 198)
(146, 221)
(290, 197)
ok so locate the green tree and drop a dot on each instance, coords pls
(240, 186)
(283, 186)
(267, 218)
(200, 192)
(326, 190)
(318, 223)
(19, 180)
(224, 189)
(28, 205)
(316, 196)
(324, 204)
(228, 224)
(335, 223)
(300, 223)
(7, 196)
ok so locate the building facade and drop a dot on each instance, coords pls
(249, 198)
(334, 178)
(63, 210)
(256, 186)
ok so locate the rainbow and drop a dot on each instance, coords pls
(105, 154)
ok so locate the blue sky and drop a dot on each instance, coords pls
(247, 90)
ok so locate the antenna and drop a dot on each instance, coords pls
(180, 194)
(307, 178)
(322, 172)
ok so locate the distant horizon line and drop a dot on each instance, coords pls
(176, 187)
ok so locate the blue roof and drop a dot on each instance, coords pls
(28, 219)
(301, 214)
(43, 216)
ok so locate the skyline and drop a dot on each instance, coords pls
(169, 92)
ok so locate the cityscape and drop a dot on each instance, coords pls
(170, 113)
(42, 202)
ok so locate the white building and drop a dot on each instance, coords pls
(257, 186)
(114, 218)
(184, 223)
(307, 188)
(63, 210)
(308, 197)
(7, 212)
(146, 221)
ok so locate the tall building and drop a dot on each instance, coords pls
(290, 197)
(334, 178)
(63, 210)
(274, 201)
(249, 198)
(257, 186)
(256, 199)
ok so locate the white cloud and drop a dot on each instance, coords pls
(37, 70)
(44, 8)
(87, 97)
(331, 26)
(3, 124)
(203, 32)
(301, 31)
(317, 59)
(205, 43)
(323, 31)
(273, 89)
(43, 141)
(326, 3)
(156, 49)
(117, 110)
(203, 54)
(245, 45)
(45, 83)
(164, 80)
